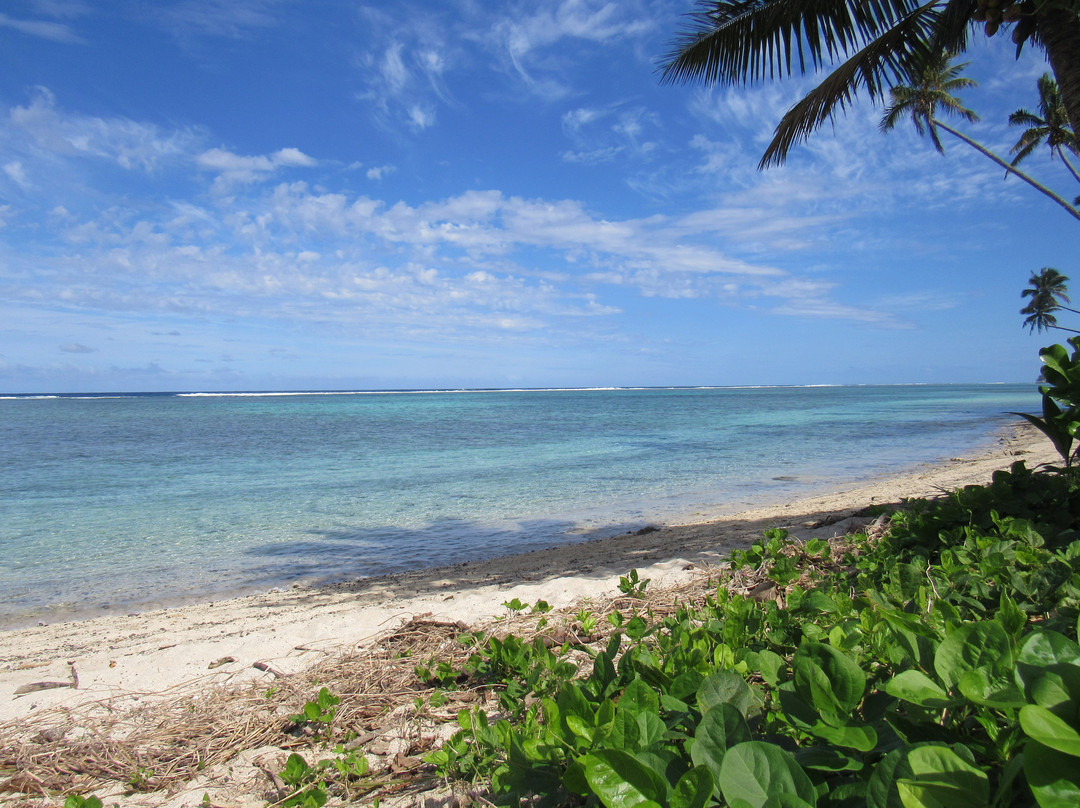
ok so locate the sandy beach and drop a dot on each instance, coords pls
(126, 659)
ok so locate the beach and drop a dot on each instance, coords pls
(127, 659)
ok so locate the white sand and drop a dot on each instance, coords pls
(135, 656)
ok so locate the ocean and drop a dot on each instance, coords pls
(119, 503)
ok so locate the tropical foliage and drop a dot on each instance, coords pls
(937, 665)
(1050, 125)
(1047, 290)
(1060, 421)
(932, 90)
(869, 46)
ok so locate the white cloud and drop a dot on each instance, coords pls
(129, 144)
(421, 116)
(43, 29)
(378, 172)
(234, 168)
(17, 173)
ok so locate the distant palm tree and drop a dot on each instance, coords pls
(1049, 126)
(1047, 290)
(931, 88)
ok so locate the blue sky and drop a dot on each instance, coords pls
(275, 194)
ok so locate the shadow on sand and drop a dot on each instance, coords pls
(614, 550)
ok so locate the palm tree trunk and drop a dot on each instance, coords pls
(1059, 33)
(1068, 165)
(1038, 186)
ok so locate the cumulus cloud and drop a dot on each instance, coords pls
(132, 145)
(236, 168)
(378, 172)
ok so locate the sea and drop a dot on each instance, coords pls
(116, 503)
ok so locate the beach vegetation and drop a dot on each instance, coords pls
(935, 663)
(80, 801)
(1060, 419)
(1047, 290)
(320, 710)
(862, 48)
(632, 585)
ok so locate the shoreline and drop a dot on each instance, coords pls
(128, 658)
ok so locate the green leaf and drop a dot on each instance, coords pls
(942, 779)
(1052, 776)
(754, 771)
(296, 769)
(685, 685)
(1057, 688)
(580, 727)
(1047, 648)
(828, 679)
(651, 729)
(770, 664)
(860, 737)
(625, 731)
(991, 689)
(621, 781)
(719, 729)
(638, 697)
(1049, 730)
(917, 688)
(694, 789)
(728, 687)
(973, 646)
(881, 791)
(786, 801)
(827, 759)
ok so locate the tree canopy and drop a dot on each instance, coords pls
(870, 46)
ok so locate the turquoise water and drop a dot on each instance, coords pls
(117, 503)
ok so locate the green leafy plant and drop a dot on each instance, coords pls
(936, 666)
(140, 778)
(632, 585)
(79, 801)
(307, 784)
(1060, 418)
(320, 711)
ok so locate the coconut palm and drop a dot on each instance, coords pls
(870, 45)
(933, 83)
(1049, 126)
(1047, 290)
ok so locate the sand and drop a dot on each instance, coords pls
(131, 658)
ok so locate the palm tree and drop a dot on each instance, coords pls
(871, 44)
(1047, 290)
(931, 89)
(1049, 126)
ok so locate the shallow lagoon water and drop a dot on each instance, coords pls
(118, 503)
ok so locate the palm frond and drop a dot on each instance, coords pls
(954, 26)
(739, 41)
(1024, 117)
(886, 59)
